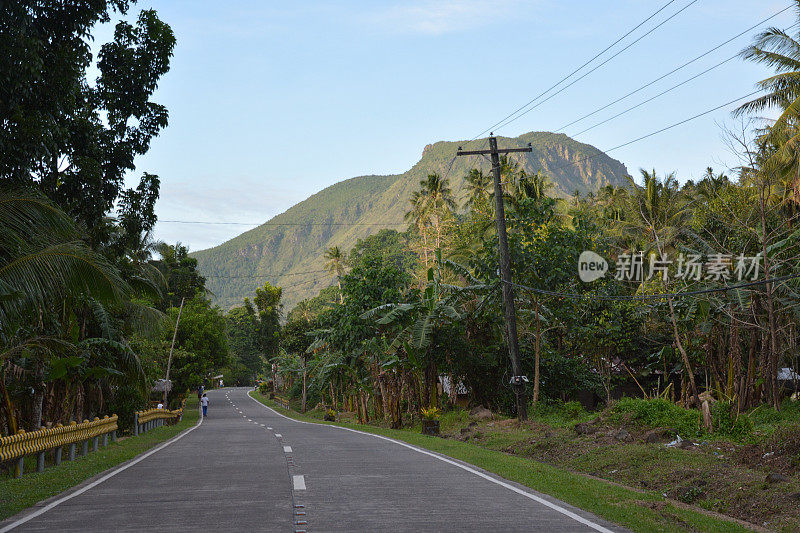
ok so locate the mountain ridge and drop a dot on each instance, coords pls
(287, 250)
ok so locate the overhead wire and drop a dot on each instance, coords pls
(676, 69)
(505, 123)
(659, 95)
(651, 134)
(246, 276)
(565, 78)
(212, 222)
(577, 295)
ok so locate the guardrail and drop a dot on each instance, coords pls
(43, 440)
(283, 402)
(148, 419)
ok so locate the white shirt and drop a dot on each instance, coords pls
(204, 401)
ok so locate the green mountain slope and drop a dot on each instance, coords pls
(288, 249)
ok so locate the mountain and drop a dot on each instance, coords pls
(288, 249)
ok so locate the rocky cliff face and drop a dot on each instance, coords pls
(290, 255)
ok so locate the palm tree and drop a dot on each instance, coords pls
(335, 266)
(613, 200)
(478, 185)
(432, 202)
(45, 266)
(438, 200)
(659, 212)
(533, 186)
(419, 216)
(777, 49)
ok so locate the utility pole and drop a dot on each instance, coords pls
(518, 380)
(172, 347)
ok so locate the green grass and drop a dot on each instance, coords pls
(560, 414)
(640, 511)
(33, 487)
(657, 413)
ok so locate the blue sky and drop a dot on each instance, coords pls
(272, 101)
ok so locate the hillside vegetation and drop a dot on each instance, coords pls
(288, 249)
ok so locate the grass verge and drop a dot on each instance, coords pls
(33, 487)
(637, 510)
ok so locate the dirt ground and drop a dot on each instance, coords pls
(758, 482)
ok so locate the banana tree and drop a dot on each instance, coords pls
(419, 321)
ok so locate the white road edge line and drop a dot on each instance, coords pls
(551, 505)
(299, 482)
(93, 484)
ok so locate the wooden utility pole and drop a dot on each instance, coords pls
(518, 380)
(172, 347)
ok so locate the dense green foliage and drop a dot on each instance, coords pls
(419, 313)
(86, 314)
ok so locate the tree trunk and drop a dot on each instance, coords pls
(8, 407)
(684, 355)
(38, 396)
(305, 373)
(536, 349)
(771, 368)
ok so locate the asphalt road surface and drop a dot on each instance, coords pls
(248, 468)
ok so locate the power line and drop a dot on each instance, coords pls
(573, 82)
(565, 78)
(575, 295)
(676, 69)
(211, 222)
(671, 126)
(659, 95)
(247, 276)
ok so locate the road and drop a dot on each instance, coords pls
(246, 467)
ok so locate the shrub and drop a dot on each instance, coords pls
(658, 413)
(264, 388)
(430, 414)
(727, 423)
(573, 409)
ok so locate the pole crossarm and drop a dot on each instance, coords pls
(498, 151)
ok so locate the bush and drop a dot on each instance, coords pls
(729, 424)
(658, 413)
(264, 388)
(558, 413)
(766, 415)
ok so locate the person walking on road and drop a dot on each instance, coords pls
(204, 403)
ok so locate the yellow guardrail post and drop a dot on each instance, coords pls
(85, 444)
(42, 441)
(72, 444)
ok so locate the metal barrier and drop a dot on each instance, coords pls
(148, 419)
(283, 402)
(55, 438)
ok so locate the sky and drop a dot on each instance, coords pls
(270, 102)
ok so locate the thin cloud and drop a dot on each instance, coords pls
(437, 17)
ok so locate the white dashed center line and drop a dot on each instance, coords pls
(299, 482)
(278, 435)
(287, 449)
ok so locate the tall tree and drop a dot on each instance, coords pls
(76, 140)
(335, 265)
